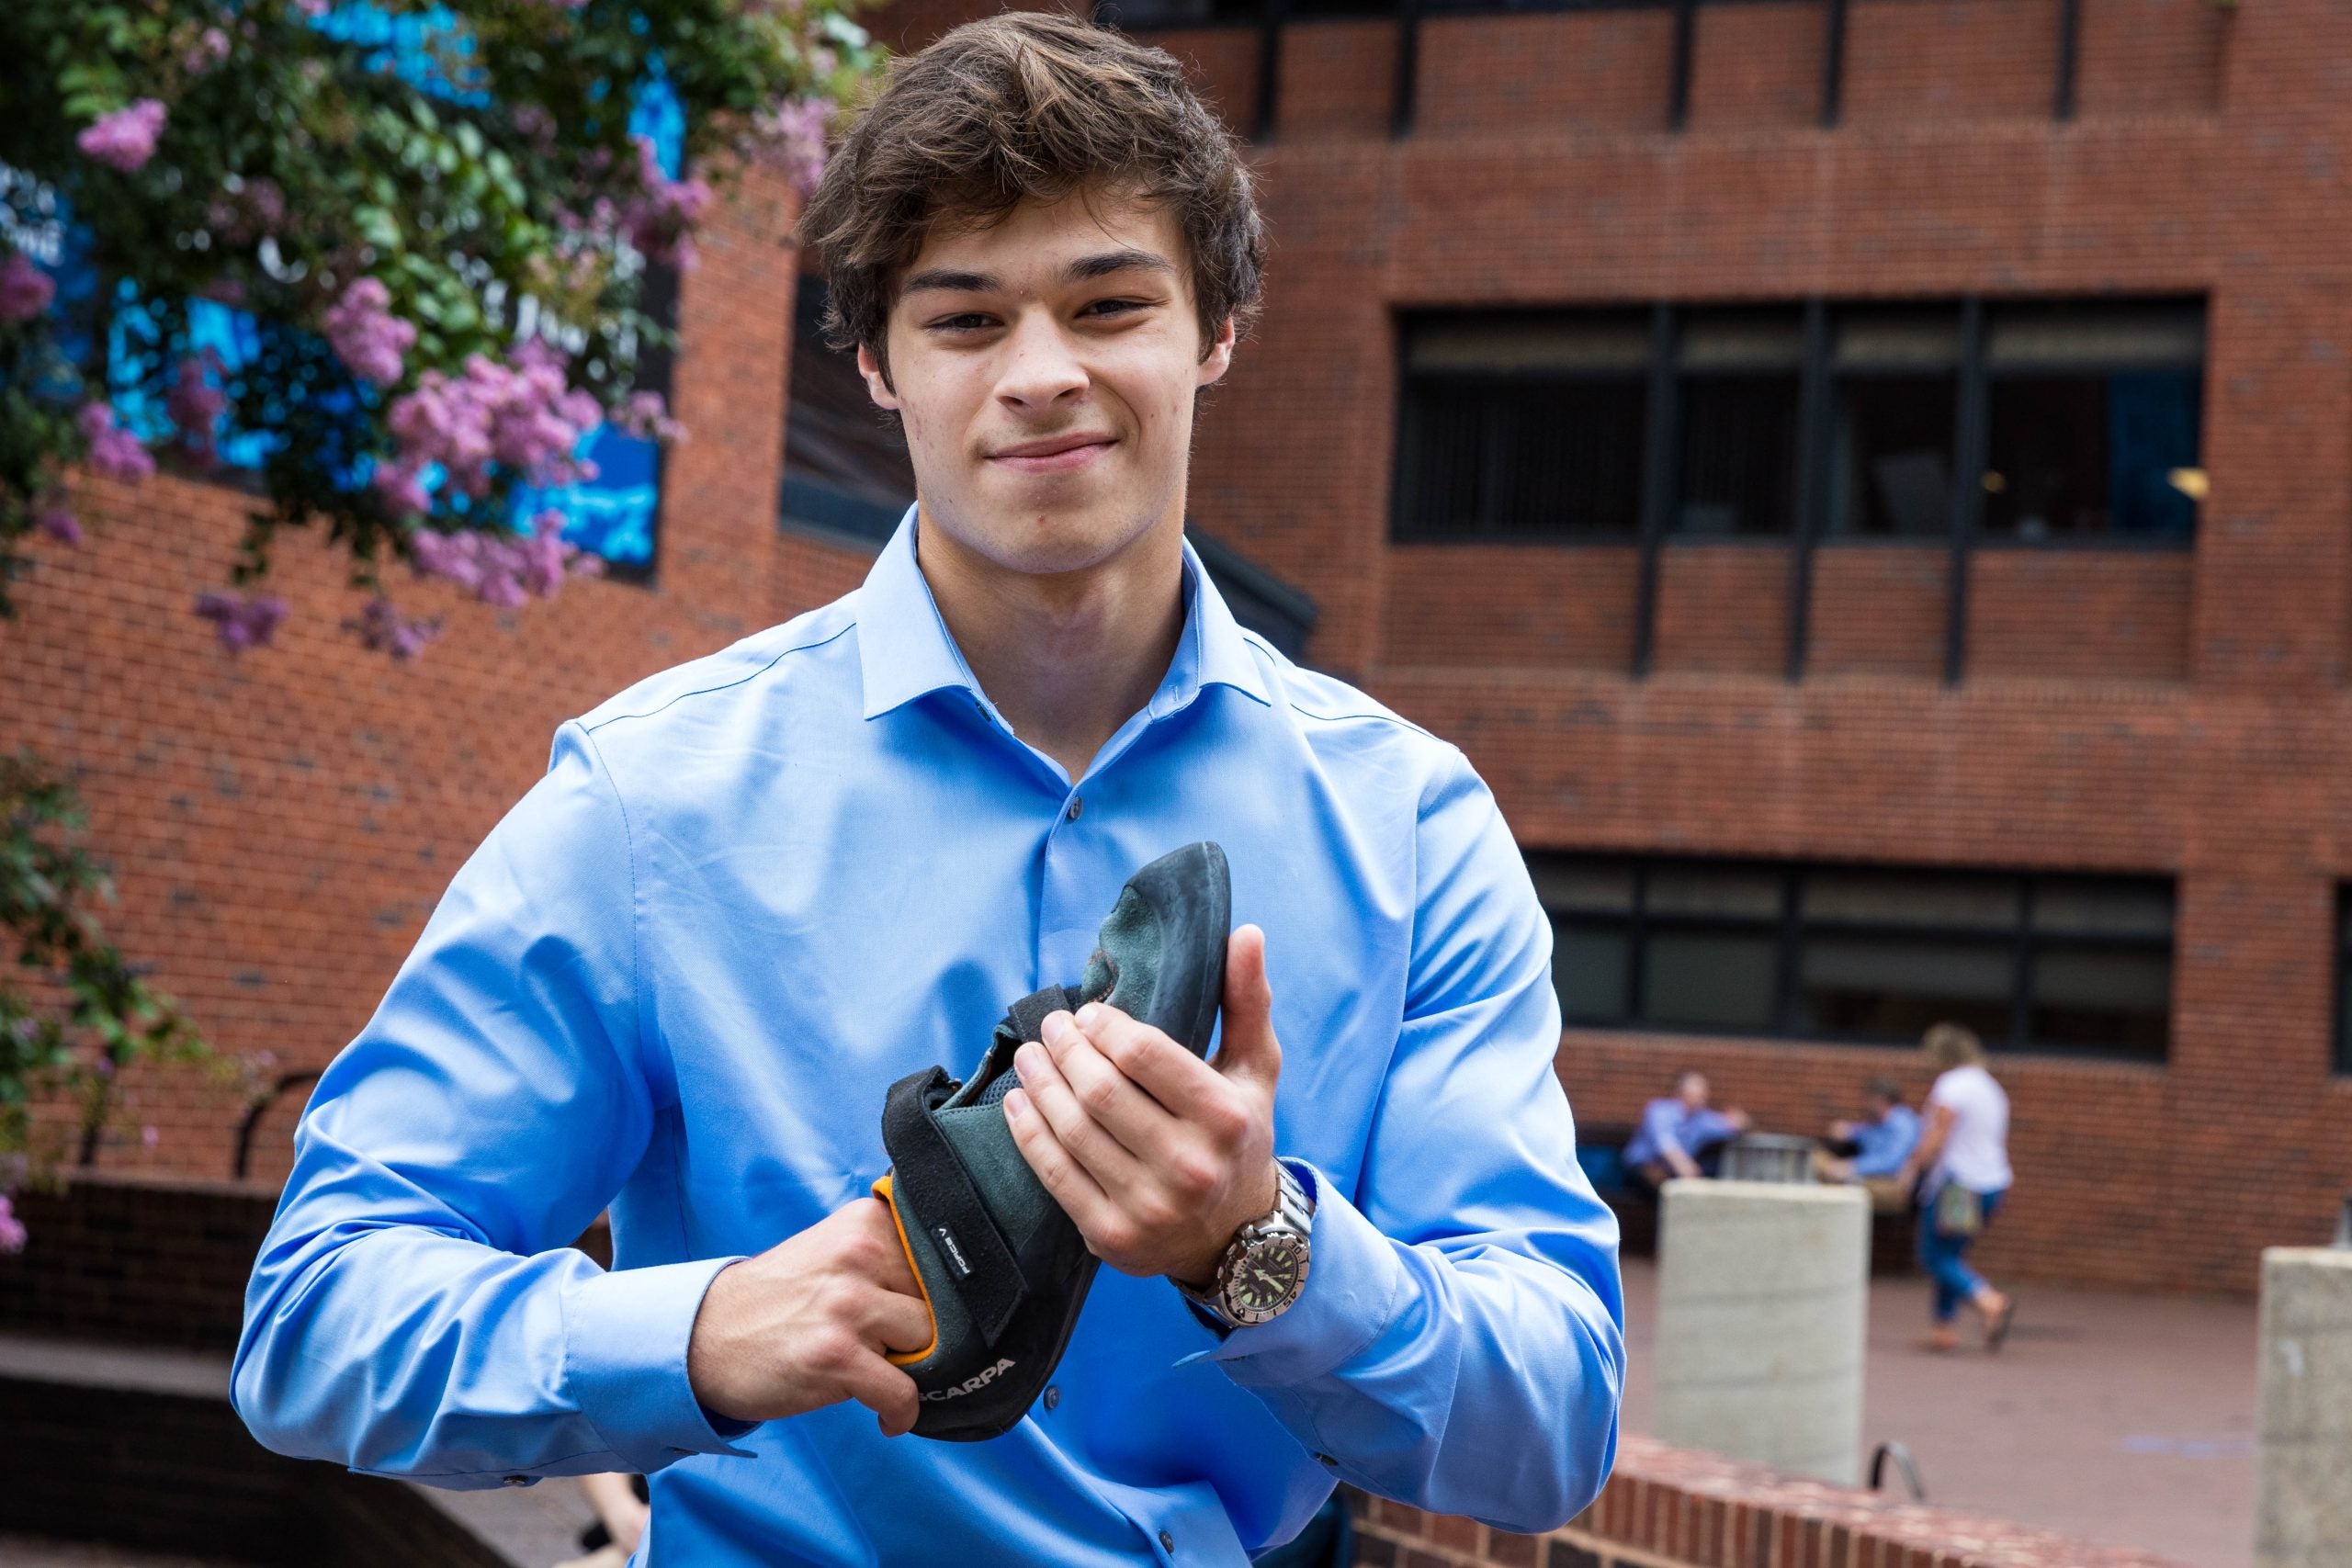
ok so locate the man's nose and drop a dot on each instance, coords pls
(1040, 366)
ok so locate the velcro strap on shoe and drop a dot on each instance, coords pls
(930, 1184)
(1028, 1016)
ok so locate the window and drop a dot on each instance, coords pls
(845, 464)
(2092, 420)
(1740, 390)
(1525, 426)
(1865, 955)
(1896, 379)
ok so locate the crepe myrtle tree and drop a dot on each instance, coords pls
(428, 224)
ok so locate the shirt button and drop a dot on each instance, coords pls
(1053, 1396)
(1167, 1541)
(518, 1480)
(1076, 805)
(1325, 1458)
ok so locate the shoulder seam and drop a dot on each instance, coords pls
(678, 697)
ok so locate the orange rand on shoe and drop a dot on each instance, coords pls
(907, 1358)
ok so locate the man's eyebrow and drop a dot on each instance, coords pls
(949, 280)
(1129, 259)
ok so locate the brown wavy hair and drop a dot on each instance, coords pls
(1029, 106)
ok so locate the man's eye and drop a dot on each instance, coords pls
(970, 321)
(1114, 307)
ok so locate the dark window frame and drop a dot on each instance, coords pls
(1791, 929)
(2340, 1038)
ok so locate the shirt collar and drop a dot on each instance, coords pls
(905, 652)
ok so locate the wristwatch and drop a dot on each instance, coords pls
(1264, 1267)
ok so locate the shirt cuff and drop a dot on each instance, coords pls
(1354, 1286)
(625, 1333)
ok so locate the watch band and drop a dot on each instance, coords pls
(1277, 1244)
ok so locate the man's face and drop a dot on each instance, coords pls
(1879, 1106)
(1044, 369)
(1693, 1090)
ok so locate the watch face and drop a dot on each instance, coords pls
(1268, 1275)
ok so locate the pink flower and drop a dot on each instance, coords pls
(502, 569)
(659, 217)
(124, 138)
(211, 46)
(195, 402)
(400, 486)
(796, 128)
(13, 1233)
(383, 629)
(521, 415)
(646, 414)
(114, 451)
(242, 622)
(367, 336)
(58, 522)
(315, 10)
(24, 290)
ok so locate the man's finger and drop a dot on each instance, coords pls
(899, 1323)
(1179, 1081)
(1105, 1159)
(1247, 1048)
(884, 1389)
(1079, 1194)
(1120, 1103)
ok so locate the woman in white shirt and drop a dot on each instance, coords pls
(1964, 1154)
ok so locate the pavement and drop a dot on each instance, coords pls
(2118, 1418)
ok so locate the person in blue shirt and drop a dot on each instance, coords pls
(1679, 1133)
(1879, 1144)
(752, 892)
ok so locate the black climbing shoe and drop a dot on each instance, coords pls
(1003, 1271)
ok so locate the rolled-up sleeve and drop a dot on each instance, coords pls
(416, 1308)
(1460, 1342)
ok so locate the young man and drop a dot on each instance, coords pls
(1680, 1130)
(752, 892)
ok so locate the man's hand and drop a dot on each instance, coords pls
(1157, 1156)
(806, 1322)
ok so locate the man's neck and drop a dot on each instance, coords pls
(1066, 658)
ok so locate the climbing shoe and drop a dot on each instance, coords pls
(1002, 1269)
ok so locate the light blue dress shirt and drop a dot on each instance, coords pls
(1668, 1123)
(752, 891)
(1880, 1147)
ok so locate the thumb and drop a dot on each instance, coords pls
(1247, 1047)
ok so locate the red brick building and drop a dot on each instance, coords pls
(1636, 385)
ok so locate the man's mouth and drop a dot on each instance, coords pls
(1054, 454)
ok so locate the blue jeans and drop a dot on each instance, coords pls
(1945, 1257)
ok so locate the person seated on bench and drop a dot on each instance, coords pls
(1680, 1134)
(1872, 1151)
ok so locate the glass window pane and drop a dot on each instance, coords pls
(1600, 343)
(1589, 971)
(1514, 456)
(1582, 884)
(1571, 458)
(2104, 909)
(1903, 338)
(2101, 336)
(1911, 898)
(1706, 981)
(2046, 456)
(1723, 891)
(2102, 1000)
(1891, 469)
(2152, 423)
(1442, 485)
(1893, 987)
(1738, 459)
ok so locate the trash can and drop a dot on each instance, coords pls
(1767, 1156)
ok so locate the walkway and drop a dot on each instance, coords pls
(2119, 1419)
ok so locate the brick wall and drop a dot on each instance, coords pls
(1672, 1508)
(2168, 713)
(280, 824)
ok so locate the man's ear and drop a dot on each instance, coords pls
(1219, 357)
(877, 379)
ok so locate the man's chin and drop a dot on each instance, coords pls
(1044, 530)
